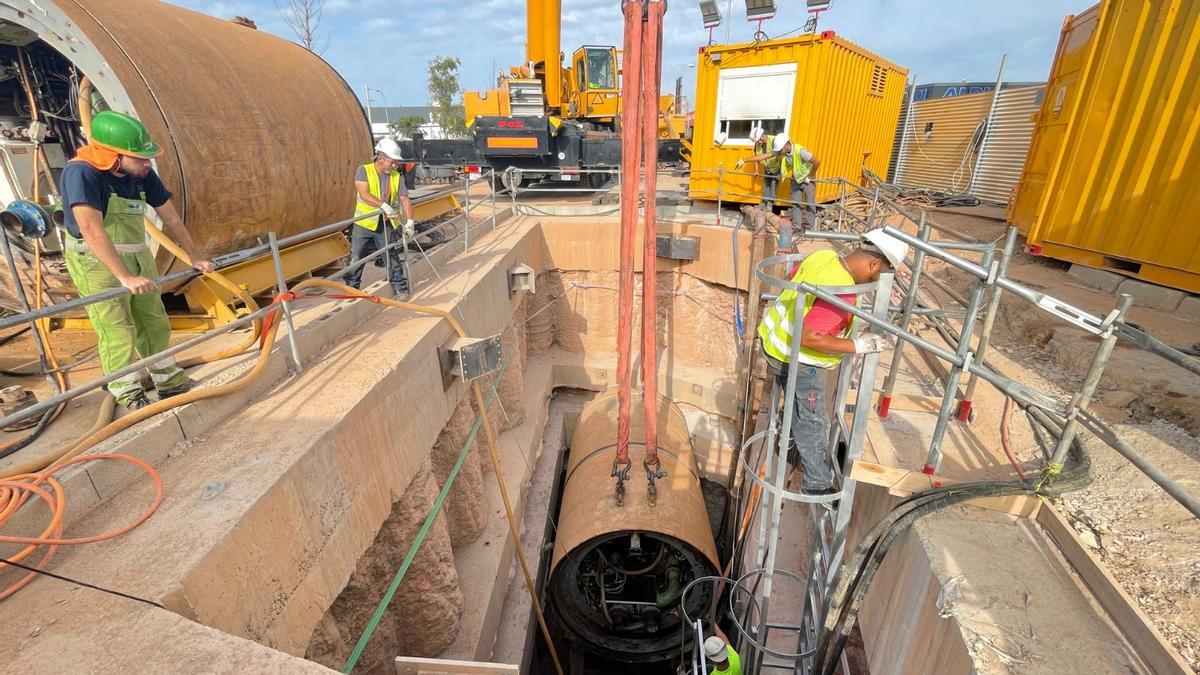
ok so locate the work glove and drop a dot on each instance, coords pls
(410, 228)
(388, 210)
(870, 343)
(740, 164)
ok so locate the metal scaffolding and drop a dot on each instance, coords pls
(763, 453)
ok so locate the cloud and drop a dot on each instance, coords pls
(924, 35)
(379, 23)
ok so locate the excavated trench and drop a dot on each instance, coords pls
(567, 327)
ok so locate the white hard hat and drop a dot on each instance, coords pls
(892, 248)
(720, 139)
(389, 147)
(780, 142)
(714, 649)
(756, 133)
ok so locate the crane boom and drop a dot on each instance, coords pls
(543, 35)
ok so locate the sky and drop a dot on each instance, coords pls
(387, 44)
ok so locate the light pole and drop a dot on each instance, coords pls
(386, 114)
(370, 122)
(679, 85)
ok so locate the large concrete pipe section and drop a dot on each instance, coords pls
(259, 134)
(618, 572)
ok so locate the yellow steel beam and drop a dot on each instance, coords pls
(435, 207)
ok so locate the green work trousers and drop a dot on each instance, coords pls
(129, 327)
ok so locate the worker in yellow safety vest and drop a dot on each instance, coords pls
(719, 654)
(800, 166)
(766, 158)
(824, 332)
(381, 187)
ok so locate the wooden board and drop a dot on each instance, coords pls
(411, 665)
(902, 483)
(1130, 619)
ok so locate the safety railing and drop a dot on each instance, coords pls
(461, 226)
(984, 265)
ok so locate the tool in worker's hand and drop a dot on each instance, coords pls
(870, 343)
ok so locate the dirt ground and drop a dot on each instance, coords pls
(1150, 543)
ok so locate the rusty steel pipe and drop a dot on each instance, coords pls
(217, 96)
(644, 555)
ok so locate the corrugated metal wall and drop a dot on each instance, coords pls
(1007, 143)
(944, 147)
(942, 143)
(897, 142)
(1112, 178)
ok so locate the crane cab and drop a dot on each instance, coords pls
(592, 86)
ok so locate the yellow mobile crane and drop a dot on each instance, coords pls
(543, 115)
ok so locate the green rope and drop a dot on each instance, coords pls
(437, 506)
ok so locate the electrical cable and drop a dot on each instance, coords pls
(13, 336)
(79, 582)
(854, 579)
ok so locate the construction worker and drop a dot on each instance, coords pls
(765, 157)
(376, 194)
(800, 165)
(824, 341)
(105, 189)
(721, 655)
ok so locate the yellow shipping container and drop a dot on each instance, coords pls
(833, 97)
(1110, 180)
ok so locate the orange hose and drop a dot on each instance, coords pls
(15, 491)
(221, 280)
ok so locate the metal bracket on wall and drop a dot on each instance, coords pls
(521, 278)
(469, 358)
(677, 246)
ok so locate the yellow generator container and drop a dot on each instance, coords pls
(826, 93)
(1110, 178)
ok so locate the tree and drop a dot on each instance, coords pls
(406, 126)
(445, 98)
(303, 17)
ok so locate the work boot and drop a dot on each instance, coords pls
(401, 294)
(187, 385)
(135, 401)
(820, 492)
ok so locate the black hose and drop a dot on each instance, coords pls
(13, 336)
(31, 436)
(854, 579)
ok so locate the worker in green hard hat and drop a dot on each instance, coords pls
(105, 190)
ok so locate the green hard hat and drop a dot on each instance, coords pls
(124, 134)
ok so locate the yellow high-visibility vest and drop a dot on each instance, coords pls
(794, 165)
(771, 164)
(822, 268)
(361, 207)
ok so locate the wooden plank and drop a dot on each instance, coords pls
(899, 482)
(1130, 619)
(903, 482)
(412, 665)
